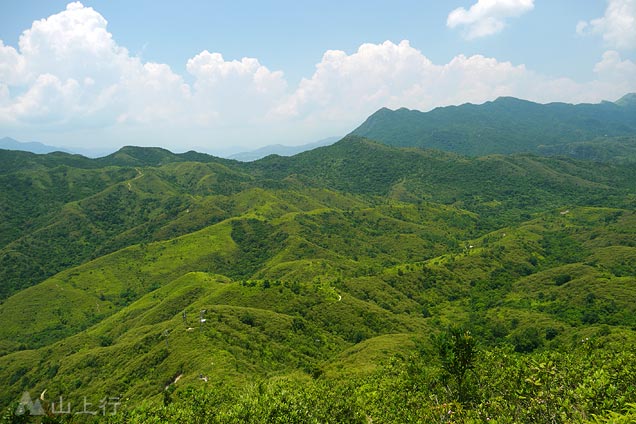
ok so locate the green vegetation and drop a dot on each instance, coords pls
(509, 125)
(606, 149)
(352, 283)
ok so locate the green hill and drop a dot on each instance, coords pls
(58, 215)
(505, 125)
(330, 278)
(539, 285)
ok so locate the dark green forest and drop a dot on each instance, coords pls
(509, 125)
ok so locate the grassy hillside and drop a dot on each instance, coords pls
(542, 285)
(57, 216)
(330, 278)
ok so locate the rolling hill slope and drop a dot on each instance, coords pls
(115, 325)
(57, 215)
(315, 269)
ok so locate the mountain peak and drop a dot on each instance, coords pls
(628, 99)
(142, 156)
(142, 150)
(505, 125)
(512, 100)
(9, 143)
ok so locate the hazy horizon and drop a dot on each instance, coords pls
(224, 77)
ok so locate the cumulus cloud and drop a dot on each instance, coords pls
(11, 65)
(487, 17)
(68, 76)
(73, 44)
(71, 72)
(617, 26)
(47, 100)
(398, 75)
(151, 93)
(616, 71)
(231, 92)
(346, 88)
(345, 85)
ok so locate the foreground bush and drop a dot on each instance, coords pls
(585, 384)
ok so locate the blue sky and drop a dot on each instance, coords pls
(228, 75)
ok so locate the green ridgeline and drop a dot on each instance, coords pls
(504, 126)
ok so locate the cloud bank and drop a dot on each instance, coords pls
(68, 78)
(617, 26)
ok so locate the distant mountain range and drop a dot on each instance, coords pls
(598, 132)
(281, 150)
(505, 125)
(8, 143)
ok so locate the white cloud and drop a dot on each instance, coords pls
(11, 65)
(347, 85)
(72, 73)
(231, 92)
(487, 17)
(152, 93)
(212, 70)
(616, 72)
(346, 88)
(69, 78)
(73, 44)
(47, 100)
(617, 26)
(71, 60)
(4, 94)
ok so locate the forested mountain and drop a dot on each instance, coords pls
(329, 286)
(505, 125)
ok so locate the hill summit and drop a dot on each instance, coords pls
(505, 125)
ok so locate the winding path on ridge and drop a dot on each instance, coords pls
(139, 175)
